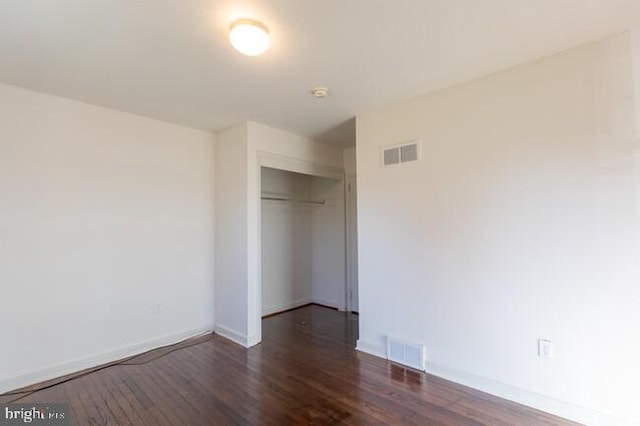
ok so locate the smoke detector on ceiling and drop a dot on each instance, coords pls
(320, 92)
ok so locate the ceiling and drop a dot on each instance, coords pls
(171, 60)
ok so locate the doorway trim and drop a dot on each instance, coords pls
(351, 242)
(290, 164)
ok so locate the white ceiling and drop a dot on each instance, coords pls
(170, 59)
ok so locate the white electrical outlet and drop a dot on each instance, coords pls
(157, 308)
(545, 348)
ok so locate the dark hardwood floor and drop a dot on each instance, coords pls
(306, 371)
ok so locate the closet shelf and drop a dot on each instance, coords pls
(295, 201)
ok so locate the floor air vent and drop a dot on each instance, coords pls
(394, 155)
(406, 353)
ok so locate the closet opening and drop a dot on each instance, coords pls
(305, 284)
(304, 243)
(297, 235)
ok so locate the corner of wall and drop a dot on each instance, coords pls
(240, 338)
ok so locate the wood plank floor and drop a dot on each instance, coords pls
(305, 372)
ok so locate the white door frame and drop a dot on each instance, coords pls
(351, 244)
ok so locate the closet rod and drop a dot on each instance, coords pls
(288, 199)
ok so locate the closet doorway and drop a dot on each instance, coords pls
(303, 241)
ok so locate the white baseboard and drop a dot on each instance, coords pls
(80, 364)
(236, 337)
(296, 304)
(323, 302)
(371, 348)
(541, 402)
(522, 396)
(285, 306)
(253, 340)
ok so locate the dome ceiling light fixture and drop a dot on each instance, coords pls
(249, 37)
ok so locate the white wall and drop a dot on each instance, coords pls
(265, 139)
(102, 214)
(520, 222)
(232, 276)
(286, 241)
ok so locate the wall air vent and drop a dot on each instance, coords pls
(391, 156)
(406, 353)
(398, 154)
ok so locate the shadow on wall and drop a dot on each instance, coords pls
(343, 135)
